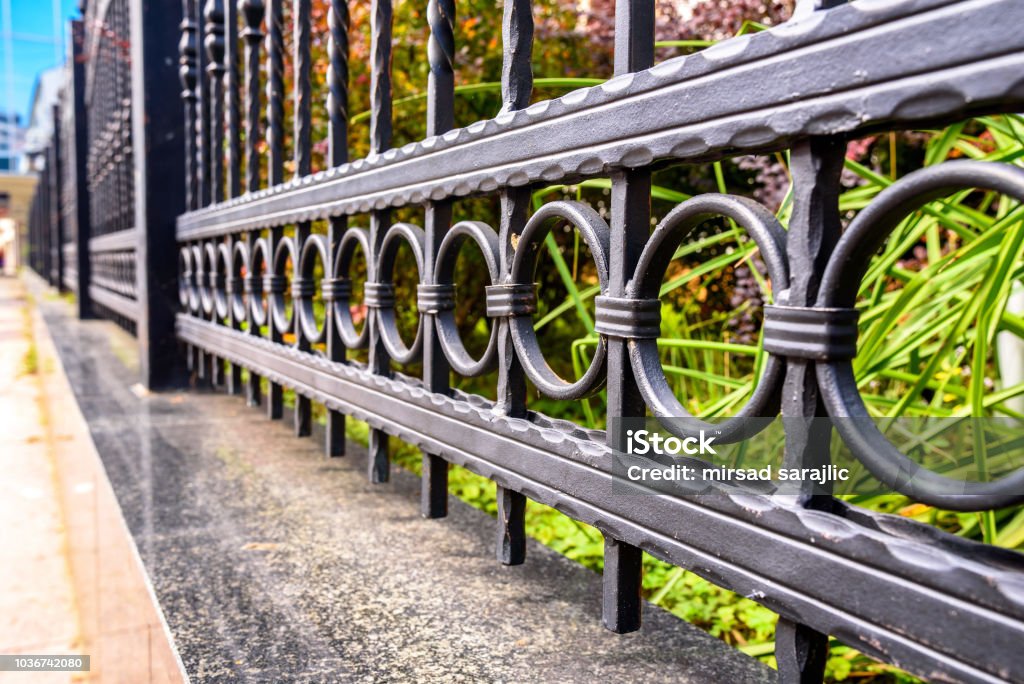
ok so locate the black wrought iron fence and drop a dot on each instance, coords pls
(248, 260)
(108, 163)
(86, 222)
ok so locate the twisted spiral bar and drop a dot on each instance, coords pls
(337, 80)
(302, 87)
(233, 148)
(440, 54)
(516, 68)
(252, 14)
(380, 77)
(187, 60)
(214, 43)
(275, 90)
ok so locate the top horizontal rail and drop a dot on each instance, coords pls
(863, 66)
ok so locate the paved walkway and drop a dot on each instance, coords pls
(38, 614)
(72, 578)
(272, 563)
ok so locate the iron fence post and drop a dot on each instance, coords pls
(79, 149)
(159, 167)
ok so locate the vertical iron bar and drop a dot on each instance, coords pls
(511, 526)
(252, 13)
(44, 183)
(337, 112)
(275, 150)
(516, 87)
(275, 92)
(234, 142)
(187, 75)
(440, 119)
(234, 155)
(630, 229)
(275, 392)
(800, 652)
(620, 604)
(58, 215)
(814, 229)
(203, 119)
(303, 167)
(214, 44)
(380, 140)
(79, 149)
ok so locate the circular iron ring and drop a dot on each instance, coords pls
(352, 238)
(596, 234)
(762, 226)
(315, 245)
(240, 262)
(283, 322)
(839, 286)
(205, 303)
(220, 292)
(386, 320)
(484, 237)
(186, 284)
(259, 261)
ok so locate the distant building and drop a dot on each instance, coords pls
(11, 141)
(22, 156)
(40, 124)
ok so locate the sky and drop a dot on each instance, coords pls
(30, 41)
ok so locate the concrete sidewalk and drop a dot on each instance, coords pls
(73, 582)
(38, 614)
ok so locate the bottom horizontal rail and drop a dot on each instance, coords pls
(119, 304)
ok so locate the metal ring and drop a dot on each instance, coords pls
(185, 278)
(352, 238)
(259, 261)
(220, 293)
(387, 323)
(595, 233)
(444, 275)
(839, 286)
(316, 245)
(764, 229)
(195, 300)
(207, 257)
(239, 295)
(283, 321)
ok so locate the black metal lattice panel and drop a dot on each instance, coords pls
(109, 164)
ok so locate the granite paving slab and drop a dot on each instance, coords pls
(274, 563)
